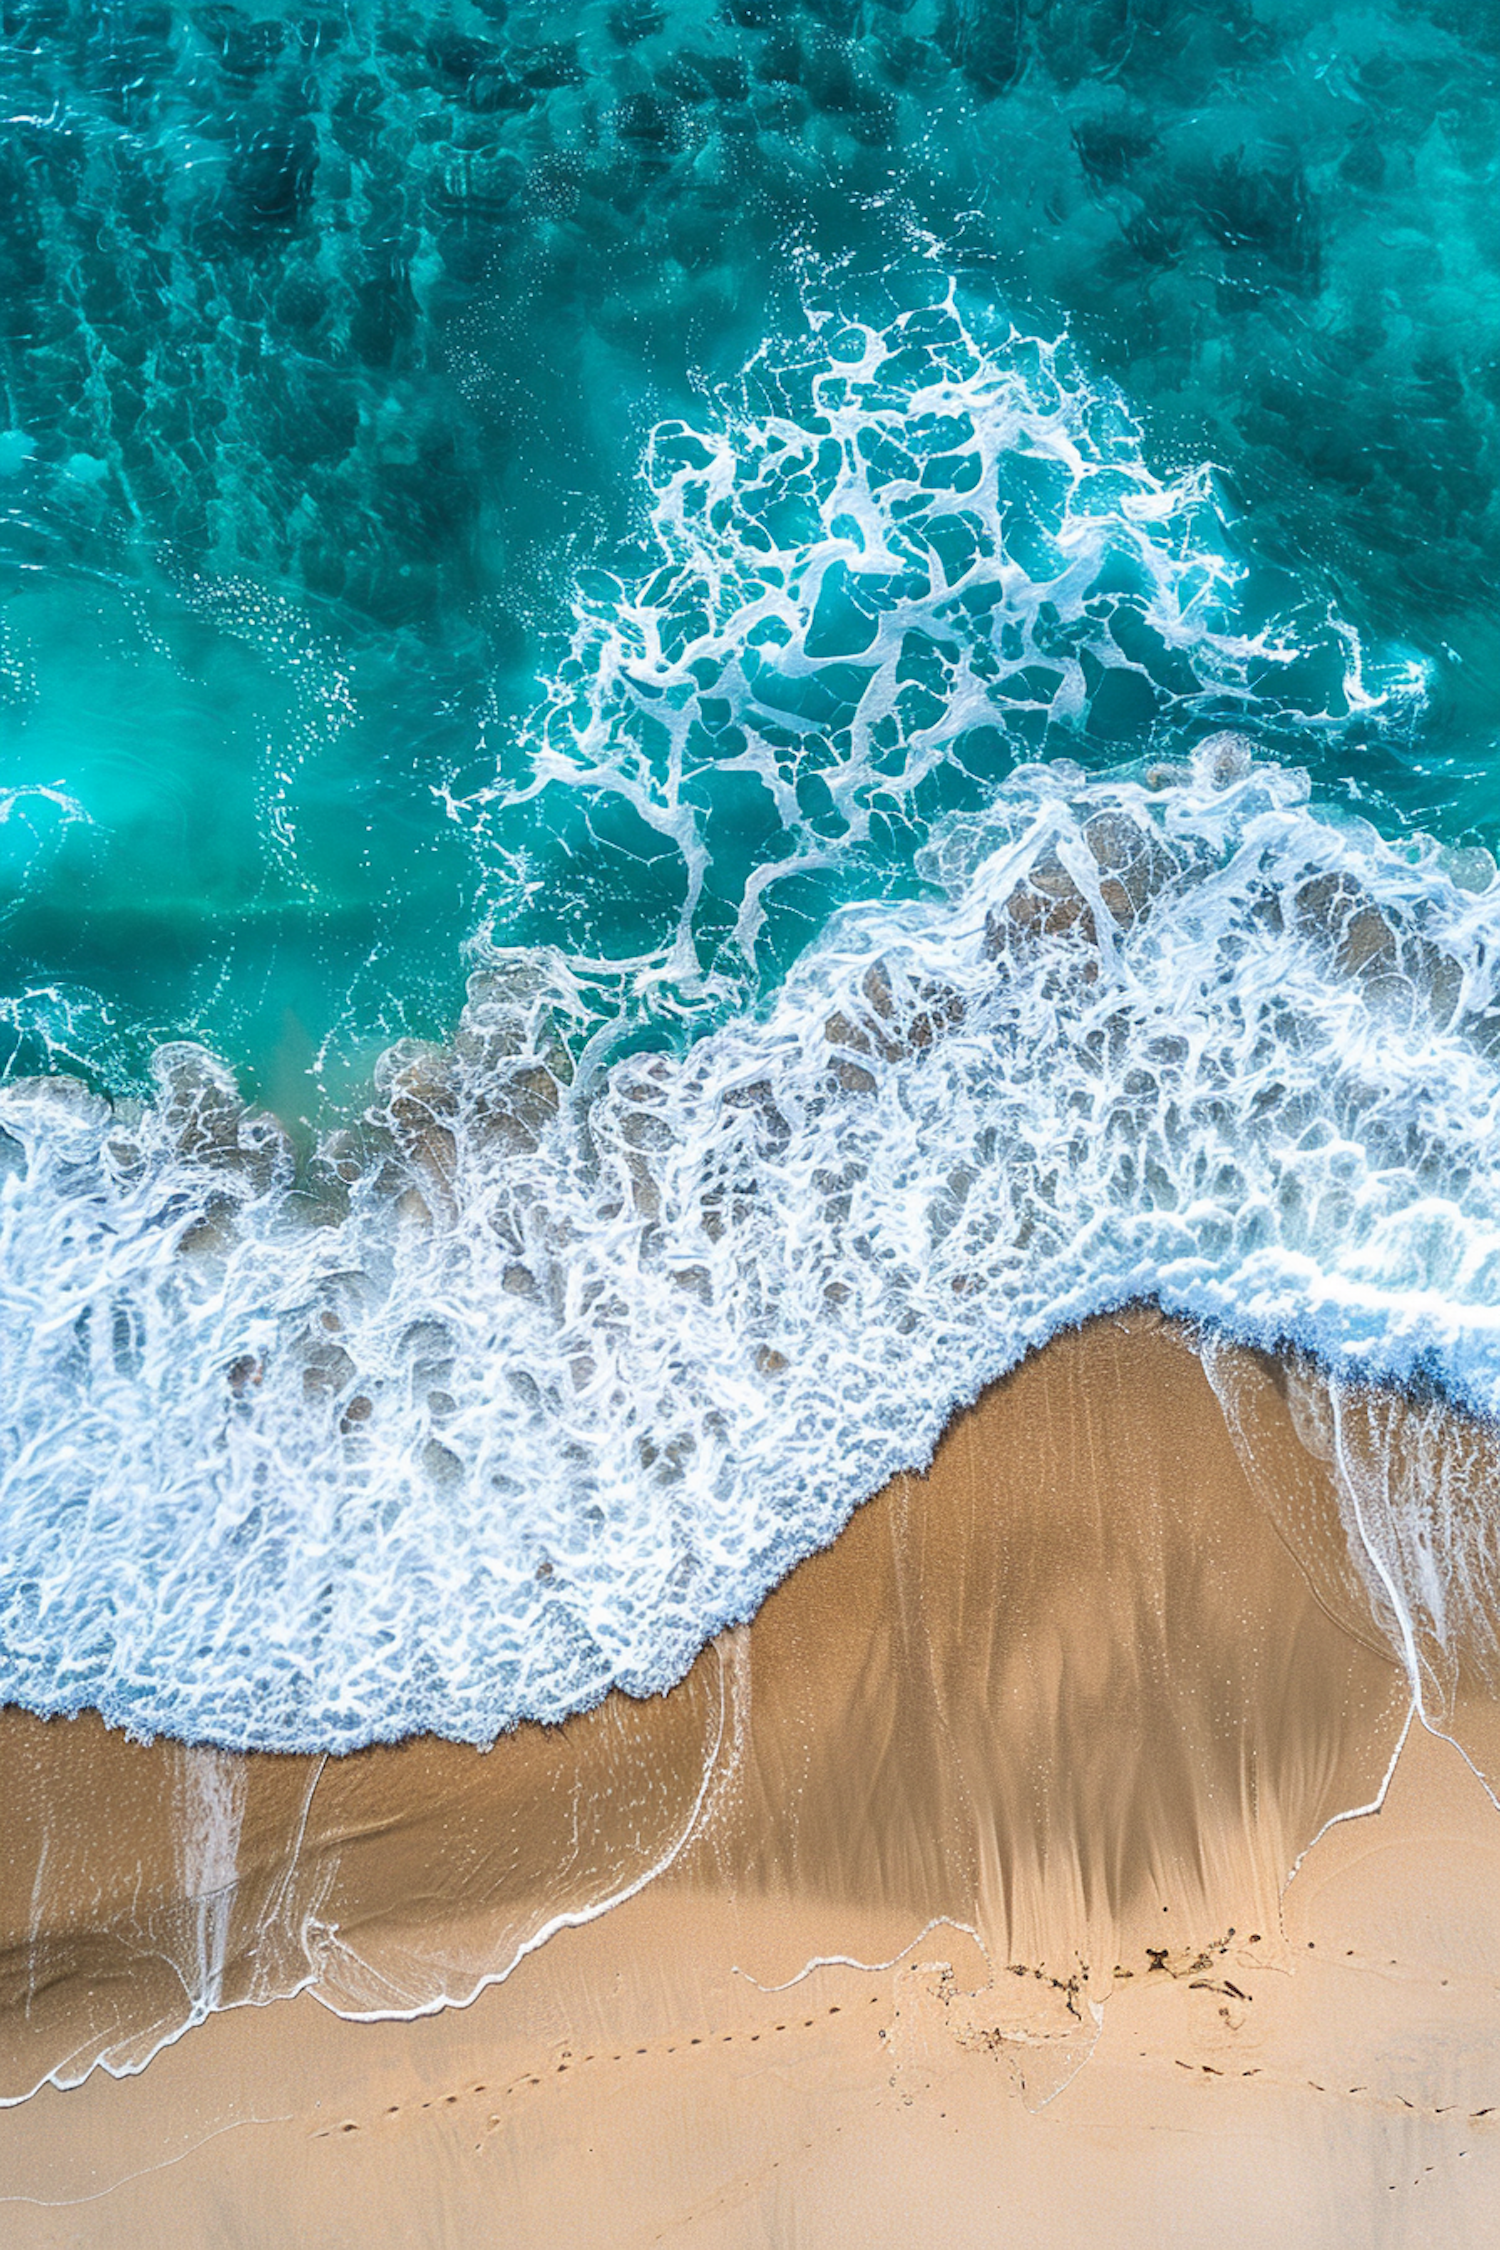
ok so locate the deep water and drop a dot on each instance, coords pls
(332, 338)
(707, 715)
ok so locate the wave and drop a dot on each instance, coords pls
(550, 1367)
(580, 1370)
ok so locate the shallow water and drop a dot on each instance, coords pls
(901, 592)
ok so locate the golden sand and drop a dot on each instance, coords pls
(1044, 1733)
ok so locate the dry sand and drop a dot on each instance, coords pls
(1044, 1732)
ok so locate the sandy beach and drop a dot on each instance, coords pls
(948, 1900)
(749, 1125)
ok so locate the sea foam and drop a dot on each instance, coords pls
(550, 1368)
(580, 1372)
(904, 549)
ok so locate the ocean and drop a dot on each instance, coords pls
(707, 716)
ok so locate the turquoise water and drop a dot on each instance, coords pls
(708, 715)
(333, 338)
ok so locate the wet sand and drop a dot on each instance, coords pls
(1044, 1733)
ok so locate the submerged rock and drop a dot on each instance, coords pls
(1222, 759)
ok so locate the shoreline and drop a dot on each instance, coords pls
(430, 1490)
(1068, 1714)
(1203, 1335)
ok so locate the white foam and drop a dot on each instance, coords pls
(897, 533)
(553, 1368)
(580, 1373)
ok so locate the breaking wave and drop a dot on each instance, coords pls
(563, 1376)
(549, 1367)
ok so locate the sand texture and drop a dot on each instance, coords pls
(1002, 1793)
